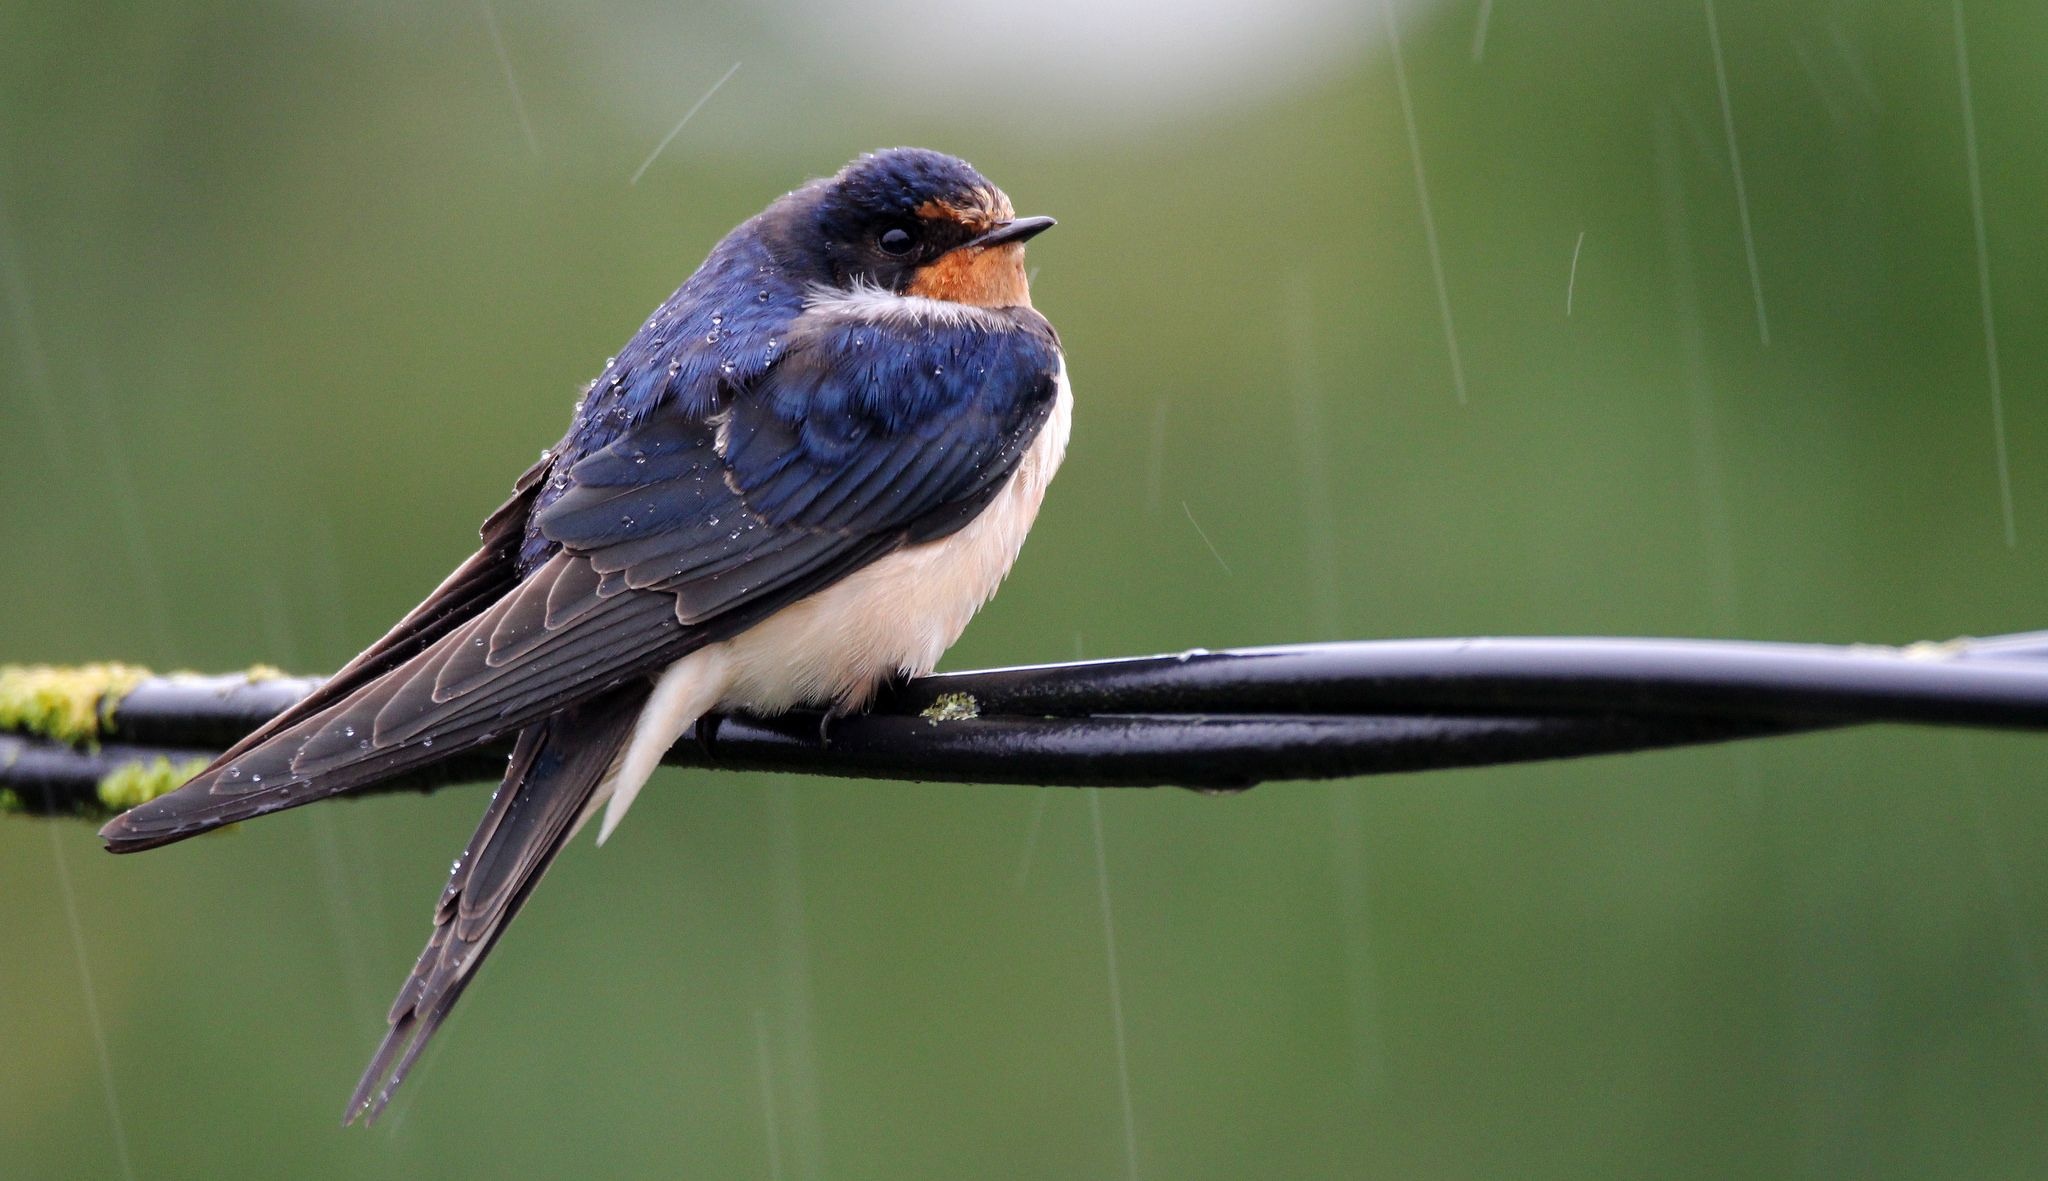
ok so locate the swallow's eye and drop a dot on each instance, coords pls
(896, 241)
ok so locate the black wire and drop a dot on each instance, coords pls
(1997, 682)
(1228, 720)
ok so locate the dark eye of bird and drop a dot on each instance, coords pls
(896, 241)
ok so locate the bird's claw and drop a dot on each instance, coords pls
(825, 721)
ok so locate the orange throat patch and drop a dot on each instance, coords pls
(983, 276)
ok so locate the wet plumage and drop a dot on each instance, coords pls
(799, 478)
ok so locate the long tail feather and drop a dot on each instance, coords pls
(556, 767)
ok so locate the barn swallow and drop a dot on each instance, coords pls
(798, 480)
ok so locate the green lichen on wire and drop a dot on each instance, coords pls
(952, 707)
(73, 705)
(138, 783)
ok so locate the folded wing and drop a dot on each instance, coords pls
(682, 531)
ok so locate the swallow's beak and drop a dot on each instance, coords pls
(1019, 229)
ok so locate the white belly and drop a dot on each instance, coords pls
(900, 614)
(897, 615)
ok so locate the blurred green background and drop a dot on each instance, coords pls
(293, 290)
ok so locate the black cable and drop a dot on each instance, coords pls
(1219, 720)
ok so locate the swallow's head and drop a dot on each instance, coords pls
(921, 223)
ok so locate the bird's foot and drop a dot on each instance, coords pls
(825, 719)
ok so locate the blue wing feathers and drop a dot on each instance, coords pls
(722, 329)
(860, 431)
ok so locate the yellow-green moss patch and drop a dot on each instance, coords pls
(138, 783)
(951, 707)
(72, 705)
